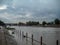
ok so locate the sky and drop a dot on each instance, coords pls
(14, 11)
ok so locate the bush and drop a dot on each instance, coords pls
(2, 23)
(43, 23)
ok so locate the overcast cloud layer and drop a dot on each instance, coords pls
(12, 11)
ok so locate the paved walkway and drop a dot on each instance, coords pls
(2, 38)
(5, 39)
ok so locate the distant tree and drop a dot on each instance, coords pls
(44, 22)
(2, 23)
(21, 23)
(50, 23)
(30, 23)
(56, 21)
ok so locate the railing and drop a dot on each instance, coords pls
(32, 39)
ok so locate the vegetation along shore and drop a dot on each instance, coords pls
(54, 23)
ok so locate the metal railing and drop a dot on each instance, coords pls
(32, 38)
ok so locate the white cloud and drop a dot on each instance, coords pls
(2, 7)
(49, 16)
(15, 18)
(28, 15)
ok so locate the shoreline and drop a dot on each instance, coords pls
(42, 26)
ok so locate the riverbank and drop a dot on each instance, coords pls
(53, 26)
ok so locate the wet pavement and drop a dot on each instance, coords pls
(2, 38)
(6, 39)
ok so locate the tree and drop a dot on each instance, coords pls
(57, 21)
(44, 22)
(2, 23)
(30, 23)
(21, 23)
(50, 23)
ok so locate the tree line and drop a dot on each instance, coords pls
(55, 22)
(30, 23)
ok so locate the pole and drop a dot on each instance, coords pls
(26, 38)
(41, 40)
(57, 42)
(20, 32)
(32, 39)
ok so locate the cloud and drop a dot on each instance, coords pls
(3, 7)
(25, 10)
(14, 18)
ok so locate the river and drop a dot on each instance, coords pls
(49, 34)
